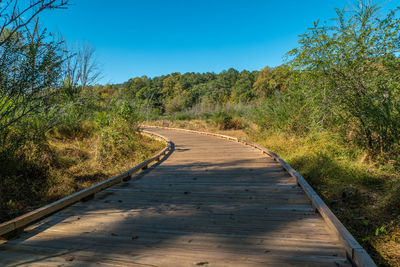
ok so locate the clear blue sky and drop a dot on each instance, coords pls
(155, 37)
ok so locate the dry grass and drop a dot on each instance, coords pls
(73, 165)
(79, 166)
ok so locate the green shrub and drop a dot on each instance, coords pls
(289, 113)
(127, 112)
(117, 140)
(102, 119)
(225, 121)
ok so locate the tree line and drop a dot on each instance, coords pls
(343, 77)
(179, 92)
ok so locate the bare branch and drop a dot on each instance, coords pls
(12, 20)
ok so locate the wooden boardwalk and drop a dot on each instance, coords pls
(211, 202)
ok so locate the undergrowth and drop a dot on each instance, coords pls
(66, 158)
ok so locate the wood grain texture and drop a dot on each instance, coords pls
(212, 202)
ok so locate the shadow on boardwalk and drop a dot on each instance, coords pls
(218, 210)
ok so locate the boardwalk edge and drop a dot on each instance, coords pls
(354, 251)
(35, 215)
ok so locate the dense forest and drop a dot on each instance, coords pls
(332, 111)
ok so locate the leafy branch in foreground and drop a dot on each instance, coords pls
(29, 74)
(30, 63)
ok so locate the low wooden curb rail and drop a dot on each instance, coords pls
(355, 252)
(37, 214)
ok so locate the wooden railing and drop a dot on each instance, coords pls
(355, 252)
(46, 210)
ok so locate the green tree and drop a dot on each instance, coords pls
(172, 86)
(270, 80)
(261, 84)
(352, 68)
(243, 88)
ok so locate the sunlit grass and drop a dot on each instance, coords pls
(66, 163)
(80, 166)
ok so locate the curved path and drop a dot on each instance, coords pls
(212, 202)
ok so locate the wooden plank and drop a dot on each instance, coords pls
(227, 234)
(120, 244)
(242, 210)
(186, 237)
(213, 225)
(166, 257)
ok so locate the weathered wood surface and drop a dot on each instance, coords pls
(212, 202)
